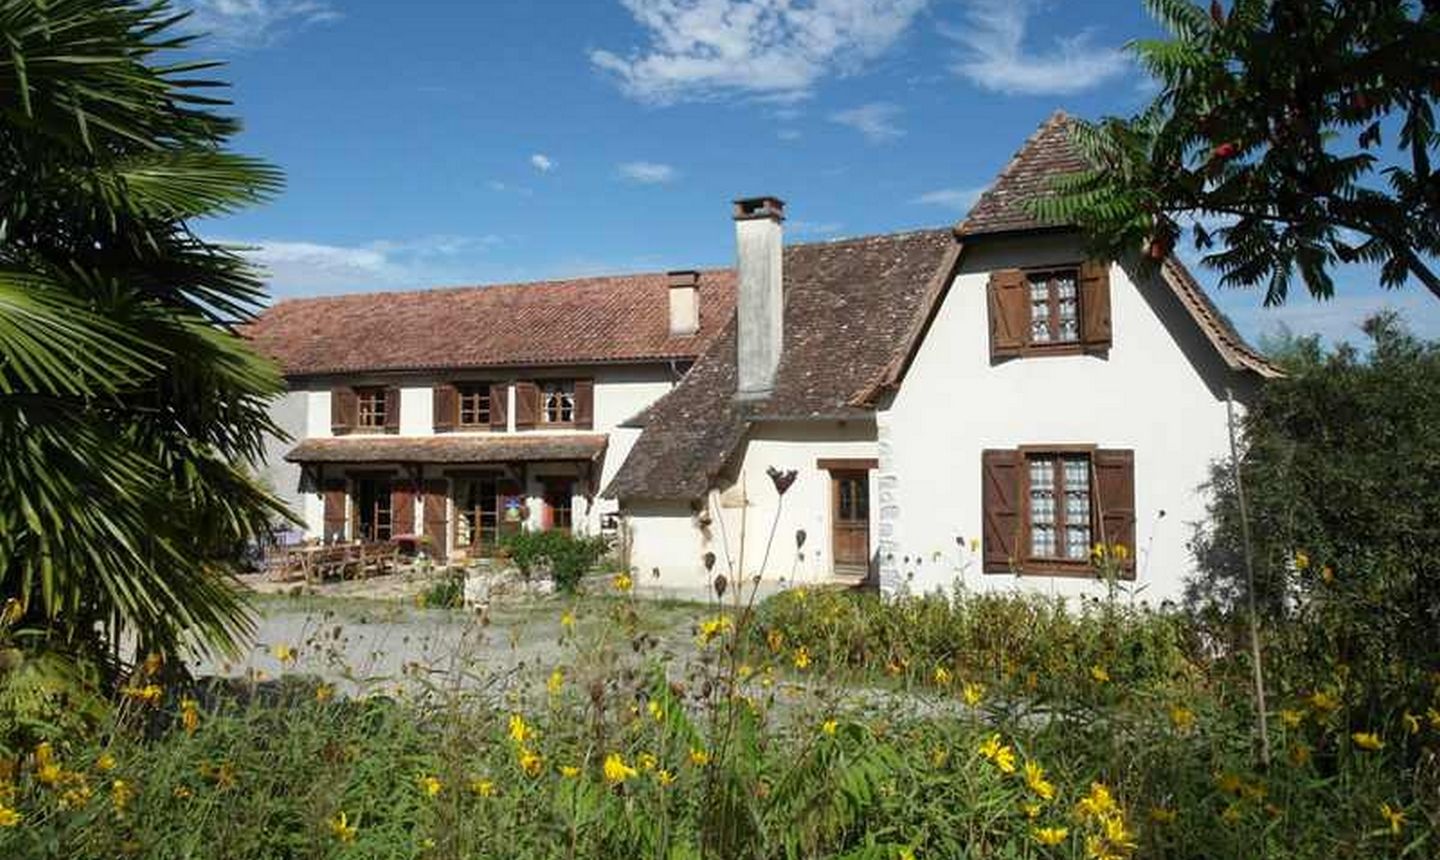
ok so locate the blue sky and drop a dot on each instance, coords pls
(445, 142)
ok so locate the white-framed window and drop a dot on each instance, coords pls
(557, 402)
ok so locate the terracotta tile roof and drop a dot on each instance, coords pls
(847, 306)
(449, 448)
(580, 321)
(1003, 206)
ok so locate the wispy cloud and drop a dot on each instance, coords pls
(648, 172)
(995, 57)
(816, 229)
(309, 268)
(788, 134)
(959, 199)
(542, 162)
(245, 24)
(700, 49)
(875, 120)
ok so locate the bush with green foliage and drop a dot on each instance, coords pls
(566, 556)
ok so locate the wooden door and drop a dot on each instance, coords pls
(850, 520)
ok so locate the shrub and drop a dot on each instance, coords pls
(446, 592)
(566, 556)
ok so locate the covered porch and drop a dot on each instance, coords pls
(451, 497)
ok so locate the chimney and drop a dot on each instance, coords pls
(684, 302)
(760, 303)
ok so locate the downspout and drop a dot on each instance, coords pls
(1255, 652)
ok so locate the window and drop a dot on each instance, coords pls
(1054, 306)
(373, 510)
(559, 497)
(474, 405)
(557, 403)
(477, 514)
(1059, 506)
(371, 408)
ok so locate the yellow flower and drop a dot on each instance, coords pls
(1368, 741)
(9, 817)
(699, 757)
(530, 762)
(341, 827)
(1410, 722)
(105, 763)
(1035, 779)
(47, 769)
(1394, 817)
(150, 694)
(775, 639)
(284, 653)
(972, 693)
(941, 676)
(616, 771)
(567, 619)
(520, 732)
(1031, 809)
(1163, 815)
(656, 712)
(120, 794)
(622, 582)
(569, 771)
(829, 727)
(190, 715)
(974, 544)
(664, 777)
(1182, 718)
(989, 747)
(646, 761)
(430, 786)
(1098, 804)
(1299, 755)
(1432, 716)
(182, 792)
(802, 657)
(1229, 783)
(905, 854)
(1002, 756)
(485, 788)
(1050, 835)
(324, 693)
(1323, 702)
(713, 627)
(1291, 718)
(1121, 551)
(556, 682)
(1302, 560)
(1100, 675)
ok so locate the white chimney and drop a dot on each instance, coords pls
(761, 300)
(684, 303)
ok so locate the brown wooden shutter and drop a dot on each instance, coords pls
(402, 508)
(447, 407)
(1009, 312)
(1115, 499)
(344, 410)
(584, 404)
(334, 491)
(1000, 473)
(1095, 305)
(499, 406)
(527, 405)
(392, 409)
(436, 522)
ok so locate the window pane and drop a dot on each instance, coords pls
(1039, 312)
(1068, 307)
(1042, 507)
(1077, 508)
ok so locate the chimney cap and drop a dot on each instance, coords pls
(683, 277)
(748, 208)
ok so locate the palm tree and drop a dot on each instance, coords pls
(131, 413)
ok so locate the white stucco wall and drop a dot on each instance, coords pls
(1159, 392)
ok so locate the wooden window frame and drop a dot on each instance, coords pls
(1055, 566)
(371, 413)
(478, 390)
(1055, 347)
(544, 412)
(550, 484)
(384, 501)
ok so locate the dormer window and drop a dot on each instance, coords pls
(1054, 306)
(557, 402)
(371, 408)
(1056, 310)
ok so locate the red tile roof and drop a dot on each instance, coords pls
(580, 321)
(449, 448)
(1003, 208)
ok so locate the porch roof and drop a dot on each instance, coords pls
(449, 449)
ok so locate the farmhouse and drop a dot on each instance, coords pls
(977, 402)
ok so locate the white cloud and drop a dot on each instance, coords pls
(811, 228)
(959, 199)
(648, 172)
(310, 268)
(995, 56)
(788, 134)
(254, 23)
(875, 120)
(542, 163)
(773, 49)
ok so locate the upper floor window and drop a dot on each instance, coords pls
(372, 408)
(1054, 306)
(475, 404)
(557, 402)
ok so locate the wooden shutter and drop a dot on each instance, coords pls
(402, 508)
(1115, 499)
(344, 410)
(527, 405)
(392, 409)
(1000, 473)
(334, 492)
(499, 406)
(584, 404)
(447, 407)
(436, 522)
(1009, 312)
(1095, 305)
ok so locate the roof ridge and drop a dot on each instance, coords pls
(1057, 118)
